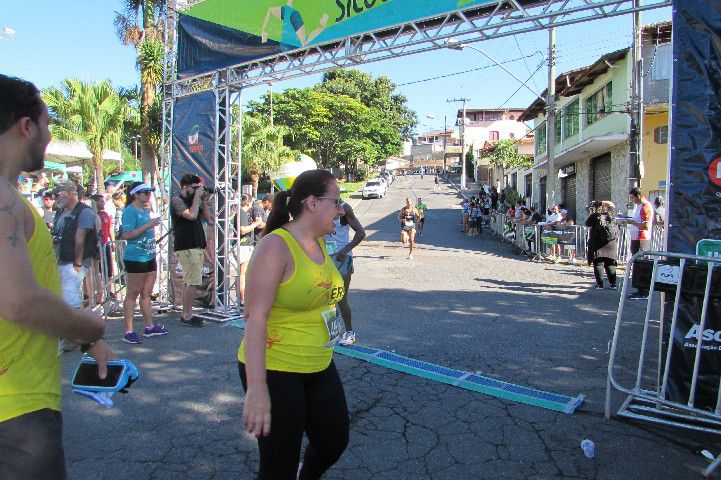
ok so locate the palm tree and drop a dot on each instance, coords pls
(140, 25)
(263, 150)
(90, 112)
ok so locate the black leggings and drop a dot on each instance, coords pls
(602, 263)
(313, 403)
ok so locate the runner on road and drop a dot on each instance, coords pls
(421, 209)
(340, 248)
(408, 216)
(436, 182)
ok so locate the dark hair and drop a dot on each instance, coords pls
(97, 197)
(658, 201)
(117, 195)
(245, 197)
(18, 98)
(189, 179)
(268, 198)
(289, 203)
(128, 197)
(635, 191)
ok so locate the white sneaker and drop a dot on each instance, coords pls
(348, 338)
(410, 256)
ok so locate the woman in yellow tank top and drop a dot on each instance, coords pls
(285, 359)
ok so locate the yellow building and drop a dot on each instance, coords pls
(654, 156)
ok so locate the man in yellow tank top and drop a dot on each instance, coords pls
(32, 315)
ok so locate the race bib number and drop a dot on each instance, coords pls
(331, 247)
(408, 223)
(334, 324)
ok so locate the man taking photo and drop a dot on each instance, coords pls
(32, 314)
(187, 212)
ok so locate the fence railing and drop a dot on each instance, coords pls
(675, 380)
(572, 240)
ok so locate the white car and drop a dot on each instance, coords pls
(374, 188)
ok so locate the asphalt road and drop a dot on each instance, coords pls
(466, 303)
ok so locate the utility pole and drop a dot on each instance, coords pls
(551, 120)
(463, 140)
(445, 140)
(634, 171)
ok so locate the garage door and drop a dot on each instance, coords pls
(568, 185)
(601, 178)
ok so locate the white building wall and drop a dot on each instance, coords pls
(477, 133)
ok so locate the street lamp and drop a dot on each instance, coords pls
(455, 44)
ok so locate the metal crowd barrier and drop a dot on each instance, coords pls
(508, 230)
(658, 393)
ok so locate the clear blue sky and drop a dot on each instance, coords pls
(58, 39)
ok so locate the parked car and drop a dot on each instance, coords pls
(374, 188)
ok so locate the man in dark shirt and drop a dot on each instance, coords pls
(188, 209)
(261, 212)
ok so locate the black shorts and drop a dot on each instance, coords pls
(140, 267)
(31, 446)
(422, 220)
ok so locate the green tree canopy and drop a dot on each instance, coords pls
(505, 154)
(94, 113)
(263, 151)
(346, 119)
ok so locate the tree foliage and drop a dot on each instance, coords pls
(140, 25)
(93, 113)
(263, 150)
(505, 154)
(347, 119)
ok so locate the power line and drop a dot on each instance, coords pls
(519, 88)
(464, 71)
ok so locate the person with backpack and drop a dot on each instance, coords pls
(602, 241)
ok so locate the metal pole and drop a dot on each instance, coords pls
(271, 105)
(463, 147)
(551, 120)
(634, 171)
(445, 140)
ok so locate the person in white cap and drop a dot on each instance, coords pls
(139, 259)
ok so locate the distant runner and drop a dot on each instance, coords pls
(408, 216)
(421, 209)
(340, 248)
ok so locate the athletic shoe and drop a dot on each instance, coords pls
(348, 338)
(638, 296)
(612, 286)
(598, 287)
(194, 322)
(132, 337)
(410, 256)
(155, 331)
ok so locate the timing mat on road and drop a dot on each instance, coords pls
(459, 378)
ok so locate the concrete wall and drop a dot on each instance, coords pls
(655, 156)
(620, 158)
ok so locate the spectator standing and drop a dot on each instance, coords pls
(187, 211)
(47, 209)
(340, 248)
(602, 251)
(639, 227)
(140, 264)
(119, 205)
(260, 214)
(76, 233)
(246, 228)
(107, 231)
(32, 314)
(659, 211)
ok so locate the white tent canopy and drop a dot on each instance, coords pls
(75, 152)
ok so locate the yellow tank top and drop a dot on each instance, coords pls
(29, 362)
(297, 332)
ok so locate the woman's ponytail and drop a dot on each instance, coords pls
(279, 214)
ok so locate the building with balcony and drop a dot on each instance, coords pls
(593, 124)
(592, 136)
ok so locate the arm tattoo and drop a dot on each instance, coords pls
(11, 211)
